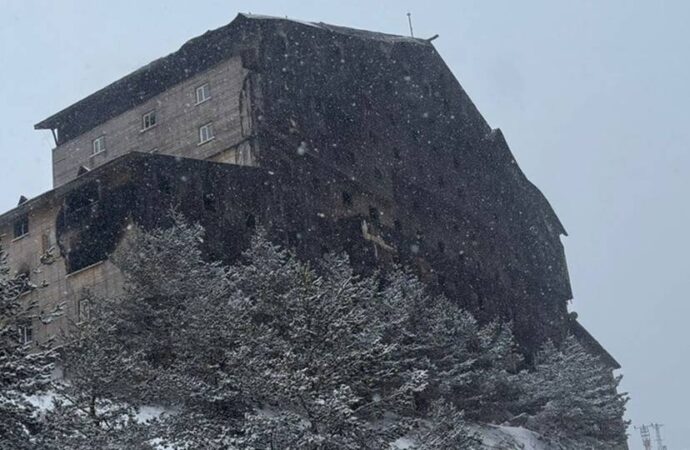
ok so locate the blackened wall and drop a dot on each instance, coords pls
(358, 124)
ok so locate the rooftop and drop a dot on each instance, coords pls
(195, 56)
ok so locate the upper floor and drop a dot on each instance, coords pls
(205, 117)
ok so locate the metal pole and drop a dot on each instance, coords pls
(409, 20)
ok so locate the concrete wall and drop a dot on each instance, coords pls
(38, 252)
(176, 133)
(389, 116)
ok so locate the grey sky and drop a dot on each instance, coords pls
(591, 95)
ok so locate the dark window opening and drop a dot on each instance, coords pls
(250, 221)
(350, 157)
(325, 250)
(398, 225)
(396, 153)
(21, 226)
(347, 198)
(374, 216)
(210, 202)
(456, 162)
(377, 173)
(316, 183)
(164, 185)
(441, 247)
(441, 182)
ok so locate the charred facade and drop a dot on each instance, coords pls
(330, 138)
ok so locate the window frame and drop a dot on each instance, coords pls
(26, 332)
(204, 88)
(101, 140)
(151, 124)
(210, 134)
(23, 221)
(83, 310)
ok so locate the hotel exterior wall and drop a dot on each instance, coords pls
(54, 300)
(176, 132)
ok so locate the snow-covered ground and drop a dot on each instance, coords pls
(511, 438)
(494, 437)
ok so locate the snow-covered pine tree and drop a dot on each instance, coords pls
(466, 363)
(315, 338)
(91, 407)
(572, 397)
(22, 372)
(445, 428)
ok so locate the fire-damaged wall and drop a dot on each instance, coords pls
(364, 142)
(382, 125)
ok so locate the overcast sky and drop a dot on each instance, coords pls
(592, 96)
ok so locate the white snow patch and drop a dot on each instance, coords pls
(403, 443)
(510, 438)
(148, 413)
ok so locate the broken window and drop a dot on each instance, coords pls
(203, 93)
(210, 202)
(375, 216)
(347, 198)
(21, 226)
(98, 145)
(26, 332)
(206, 133)
(148, 120)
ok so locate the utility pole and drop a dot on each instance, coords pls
(657, 431)
(409, 21)
(646, 436)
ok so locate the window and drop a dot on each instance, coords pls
(26, 332)
(21, 227)
(209, 201)
(347, 198)
(375, 216)
(203, 93)
(205, 133)
(83, 310)
(98, 145)
(148, 120)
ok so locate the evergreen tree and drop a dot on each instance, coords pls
(445, 428)
(22, 372)
(273, 352)
(572, 397)
(92, 408)
(468, 364)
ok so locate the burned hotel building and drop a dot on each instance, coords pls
(331, 139)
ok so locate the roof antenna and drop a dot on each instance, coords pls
(409, 20)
